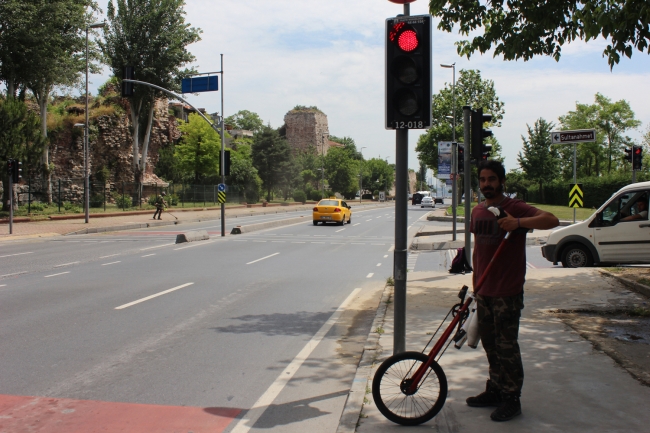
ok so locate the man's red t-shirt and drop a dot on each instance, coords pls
(508, 273)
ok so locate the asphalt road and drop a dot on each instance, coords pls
(262, 331)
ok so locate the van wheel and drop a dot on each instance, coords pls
(576, 256)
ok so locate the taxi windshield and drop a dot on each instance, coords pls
(329, 203)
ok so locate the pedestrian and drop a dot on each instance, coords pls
(501, 298)
(161, 204)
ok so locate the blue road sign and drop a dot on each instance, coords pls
(222, 187)
(200, 84)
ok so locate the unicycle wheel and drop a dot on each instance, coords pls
(392, 397)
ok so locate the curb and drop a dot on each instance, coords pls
(637, 287)
(354, 403)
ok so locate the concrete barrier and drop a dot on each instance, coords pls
(191, 236)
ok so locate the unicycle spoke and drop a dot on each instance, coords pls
(392, 394)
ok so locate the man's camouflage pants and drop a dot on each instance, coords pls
(499, 328)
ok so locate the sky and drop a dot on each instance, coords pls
(330, 54)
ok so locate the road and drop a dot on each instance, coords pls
(273, 320)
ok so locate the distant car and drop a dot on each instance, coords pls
(416, 198)
(427, 202)
(332, 210)
(439, 200)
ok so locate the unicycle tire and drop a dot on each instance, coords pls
(394, 403)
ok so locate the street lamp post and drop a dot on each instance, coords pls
(454, 165)
(86, 181)
(361, 175)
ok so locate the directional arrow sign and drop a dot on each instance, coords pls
(222, 187)
(577, 136)
(576, 196)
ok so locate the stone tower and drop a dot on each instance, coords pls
(305, 127)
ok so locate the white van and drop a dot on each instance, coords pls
(617, 233)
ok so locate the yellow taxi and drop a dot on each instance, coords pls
(332, 210)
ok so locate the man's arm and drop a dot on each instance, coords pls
(542, 220)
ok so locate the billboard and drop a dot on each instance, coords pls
(444, 160)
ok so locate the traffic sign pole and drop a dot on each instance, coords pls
(575, 178)
(223, 156)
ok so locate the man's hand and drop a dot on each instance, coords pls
(508, 223)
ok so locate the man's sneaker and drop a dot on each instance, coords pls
(510, 408)
(490, 397)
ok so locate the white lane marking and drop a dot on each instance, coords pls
(378, 217)
(66, 264)
(112, 255)
(355, 224)
(259, 241)
(386, 255)
(147, 255)
(153, 296)
(111, 263)
(378, 264)
(392, 247)
(2, 285)
(377, 244)
(357, 243)
(530, 265)
(263, 258)
(17, 254)
(259, 407)
(340, 230)
(370, 275)
(313, 242)
(157, 246)
(239, 240)
(368, 220)
(197, 245)
(15, 273)
(54, 275)
(298, 242)
(278, 242)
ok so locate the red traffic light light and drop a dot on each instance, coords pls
(408, 41)
(637, 151)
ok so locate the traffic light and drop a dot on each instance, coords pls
(10, 168)
(17, 173)
(127, 88)
(638, 158)
(460, 160)
(408, 72)
(227, 162)
(628, 155)
(480, 150)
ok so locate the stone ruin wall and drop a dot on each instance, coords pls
(305, 128)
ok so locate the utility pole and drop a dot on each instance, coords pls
(468, 182)
(223, 155)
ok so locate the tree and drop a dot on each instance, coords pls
(611, 121)
(20, 138)
(271, 154)
(522, 29)
(246, 120)
(341, 171)
(199, 151)
(539, 160)
(471, 90)
(243, 176)
(377, 173)
(153, 38)
(349, 145)
(421, 175)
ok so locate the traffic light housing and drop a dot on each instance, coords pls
(408, 72)
(227, 162)
(460, 160)
(637, 163)
(480, 150)
(17, 173)
(628, 155)
(127, 88)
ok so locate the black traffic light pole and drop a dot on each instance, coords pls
(401, 224)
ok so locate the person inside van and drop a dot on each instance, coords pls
(641, 211)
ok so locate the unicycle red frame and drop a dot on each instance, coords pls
(460, 314)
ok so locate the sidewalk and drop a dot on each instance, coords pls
(50, 228)
(570, 385)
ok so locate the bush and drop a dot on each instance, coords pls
(316, 195)
(151, 200)
(252, 195)
(38, 207)
(96, 200)
(172, 200)
(71, 207)
(300, 196)
(123, 202)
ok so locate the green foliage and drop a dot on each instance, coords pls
(341, 171)
(471, 90)
(198, 153)
(243, 175)
(538, 159)
(38, 207)
(103, 174)
(122, 202)
(245, 119)
(96, 200)
(349, 146)
(271, 157)
(377, 173)
(522, 29)
(303, 108)
(316, 195)
(72, 207)
(299, 196)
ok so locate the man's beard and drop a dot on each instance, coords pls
(490, 193)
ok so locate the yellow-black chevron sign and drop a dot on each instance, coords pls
(576, 196)
(221, 197)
